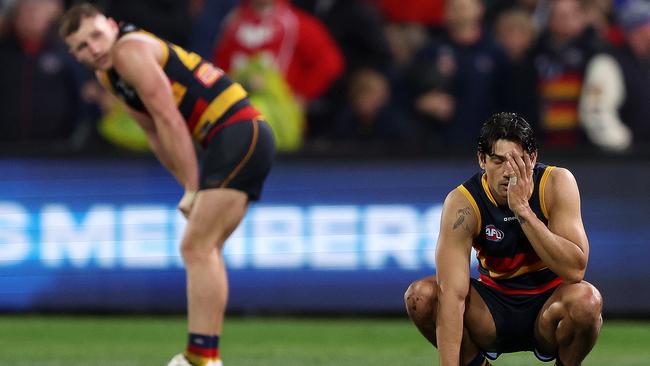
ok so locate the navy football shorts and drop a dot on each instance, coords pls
(239, 157)
(514, 317)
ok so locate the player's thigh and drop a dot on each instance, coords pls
(215, 215)
(582, 296)
(479, 321)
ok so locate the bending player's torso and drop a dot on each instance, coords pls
(204, 95)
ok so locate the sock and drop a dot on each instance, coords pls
(479, 360)
(202, 349)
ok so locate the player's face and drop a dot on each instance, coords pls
(91, 44)
(496, 169)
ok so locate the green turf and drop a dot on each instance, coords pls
(135, 341)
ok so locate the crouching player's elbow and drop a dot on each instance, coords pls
(577, 273)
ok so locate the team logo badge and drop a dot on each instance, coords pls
(208, 74)
(493, 234)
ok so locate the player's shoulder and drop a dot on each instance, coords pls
(136, 48)
(561, 186)
(455, 196)
(137, 42)
(460, 209)
(559, 176)
(458, 198)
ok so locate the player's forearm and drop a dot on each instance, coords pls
(561, 255)
(178, 153)
(148, 126)
(165, 160)
(449, 329)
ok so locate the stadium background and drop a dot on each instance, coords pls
(90, 274)
(317, 270)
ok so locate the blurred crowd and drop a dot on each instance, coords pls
(416, 75)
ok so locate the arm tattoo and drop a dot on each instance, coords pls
(460, 217)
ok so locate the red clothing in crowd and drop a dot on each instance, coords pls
(298, 42)
(425, 12)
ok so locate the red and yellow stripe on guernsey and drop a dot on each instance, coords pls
(215, 110)
(505, 268)
(246, 113)
(511, 291)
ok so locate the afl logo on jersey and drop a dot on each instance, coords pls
(493, 234)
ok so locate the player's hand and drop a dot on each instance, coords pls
(520, 186)
(186, 203)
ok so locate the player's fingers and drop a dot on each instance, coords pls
(529, 164)
(512, 165)
(186, 203)
(521, 166)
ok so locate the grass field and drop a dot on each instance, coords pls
(140, 341)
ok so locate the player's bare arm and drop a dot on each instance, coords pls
(136, 62)
(563, 245)
(149, 128)
(457, 228)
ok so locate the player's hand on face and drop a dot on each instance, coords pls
(186, 203)
(520, 186)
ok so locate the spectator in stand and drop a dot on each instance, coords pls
(285, 57)
(357, 28)
(296, 42)
(467, 70)
(515, 31)
(39, 82)
(538, 9)
(560, 58)
(368, 114)
(406, 37)
(494, 8)
(615, 102)
(598, 14)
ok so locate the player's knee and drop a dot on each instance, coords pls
(193, 252)
(421, 297)
(586, 307)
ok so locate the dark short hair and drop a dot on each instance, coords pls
(507, 126)
(72, 18)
